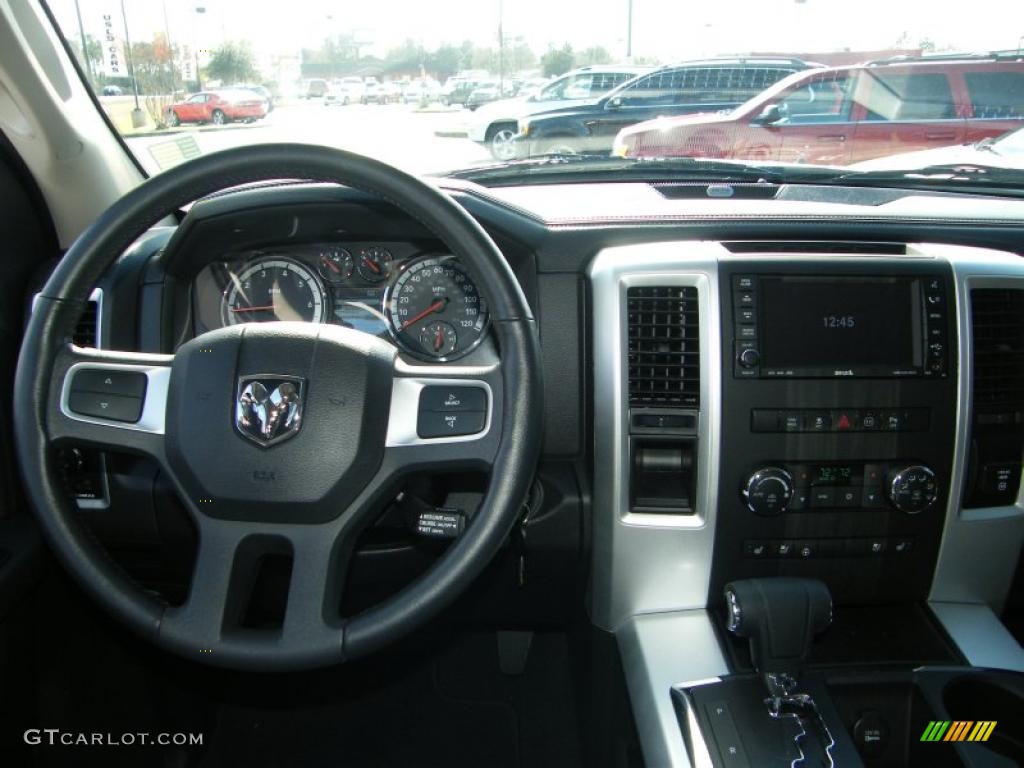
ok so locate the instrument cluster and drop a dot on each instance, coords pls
(425, 302)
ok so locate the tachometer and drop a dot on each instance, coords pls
(273, 288)
(435, 310)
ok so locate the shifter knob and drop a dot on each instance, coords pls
(780, 617)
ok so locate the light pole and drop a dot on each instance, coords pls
(501, 48)
(629, 32)
(138, 116)
(200, 10)
(85, 48)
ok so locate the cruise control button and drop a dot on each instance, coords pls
(449, 424)
(123, 383)
(448, 399)
(101, 406)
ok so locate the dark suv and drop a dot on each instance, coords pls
(697, 86)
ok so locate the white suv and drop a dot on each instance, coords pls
(495, 124)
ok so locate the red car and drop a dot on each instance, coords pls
(218, 107)
(844, 115)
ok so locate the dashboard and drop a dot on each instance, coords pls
(825, 383)
(424, 301)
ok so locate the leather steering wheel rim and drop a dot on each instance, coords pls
(47, 341)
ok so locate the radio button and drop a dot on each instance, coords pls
(818, 421)
(823, 498)
(763, 420)
(743, 282)
(848, 498)
(871, 498)
(749, 357)
(792, 421)
(745, 315)
(744, 299)
(746, 332)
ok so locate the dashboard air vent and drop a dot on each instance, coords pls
(86, 330)
(664, 352)
(813, 246)
(997, 317)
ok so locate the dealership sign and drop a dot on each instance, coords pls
(113, 46)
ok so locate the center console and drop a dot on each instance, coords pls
(838, 420)
(843, 414)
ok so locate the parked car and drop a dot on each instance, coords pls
(484, 93)
(218, 107)
(316, 88)
(847, 115)
(1006, 151)
(424, 89)
(376, 92)
(712, 85)
(495, 124)
(348, 90)
(263, 91)
(459, 92)
(111, 90)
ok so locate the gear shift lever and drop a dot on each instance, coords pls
(780, 618)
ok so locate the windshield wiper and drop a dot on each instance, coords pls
(555, 169)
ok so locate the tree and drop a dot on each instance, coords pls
(91, 54)
(520, 56)
(335, 56)
(596, 54)
(557, 61)
(445, 61)
(157, 76)
(232, 63)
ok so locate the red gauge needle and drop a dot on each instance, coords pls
(371, 264)
(330, 264)
(439, 304)
(251, 309)
(438, 339)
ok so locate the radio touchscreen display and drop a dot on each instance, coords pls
(841, 326)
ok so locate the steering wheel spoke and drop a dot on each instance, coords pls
(226, 614)
(110, 400)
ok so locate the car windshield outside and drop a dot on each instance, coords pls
(438, 89)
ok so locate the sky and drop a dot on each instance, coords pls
(664, 30)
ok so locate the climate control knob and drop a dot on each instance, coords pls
(768, 491)
(913, 489)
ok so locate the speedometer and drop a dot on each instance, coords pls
(273, 288)
(435, 310)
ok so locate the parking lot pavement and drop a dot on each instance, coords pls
(395, 133)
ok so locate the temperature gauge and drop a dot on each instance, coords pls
(374, 264)
(440, 338)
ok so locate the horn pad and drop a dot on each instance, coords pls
(278, 422)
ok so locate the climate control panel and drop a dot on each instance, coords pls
(776, 488)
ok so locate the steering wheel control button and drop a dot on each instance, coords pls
(453, 399)
(108, 382)
(102, 406)
(433, 424)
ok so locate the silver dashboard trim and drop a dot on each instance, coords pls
(645, 562)
(662, 651)
(960, 575)
(980, 635)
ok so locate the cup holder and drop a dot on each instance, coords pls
(988, 696)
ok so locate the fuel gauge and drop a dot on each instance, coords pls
(335, 265)
(374, 264)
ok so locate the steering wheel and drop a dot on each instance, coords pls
(350, 410)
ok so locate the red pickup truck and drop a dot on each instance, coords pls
(844, 115)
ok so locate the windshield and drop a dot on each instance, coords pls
(475, 83)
